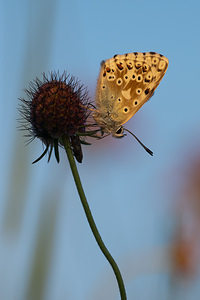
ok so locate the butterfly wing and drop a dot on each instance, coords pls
(128, 81)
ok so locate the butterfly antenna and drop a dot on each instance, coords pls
(145, 148)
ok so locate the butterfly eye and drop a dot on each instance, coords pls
(119, 132)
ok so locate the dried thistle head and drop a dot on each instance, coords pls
(56, 106)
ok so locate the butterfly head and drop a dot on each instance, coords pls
(108, 125)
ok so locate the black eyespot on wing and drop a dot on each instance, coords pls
(129, 66)
(120, 66)
(147, 91)
(138, 65)
(152, 52)
(115, 55)
(119, 81)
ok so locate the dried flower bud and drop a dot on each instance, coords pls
(76, 148)
(57, 106)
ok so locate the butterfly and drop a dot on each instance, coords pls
(124, 84)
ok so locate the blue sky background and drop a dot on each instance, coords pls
(47, 250)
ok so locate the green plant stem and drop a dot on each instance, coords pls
(90, 219)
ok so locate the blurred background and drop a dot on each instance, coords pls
(147, 209)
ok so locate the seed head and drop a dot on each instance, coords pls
(56, 106)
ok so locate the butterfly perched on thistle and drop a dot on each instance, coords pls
(124, 84)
